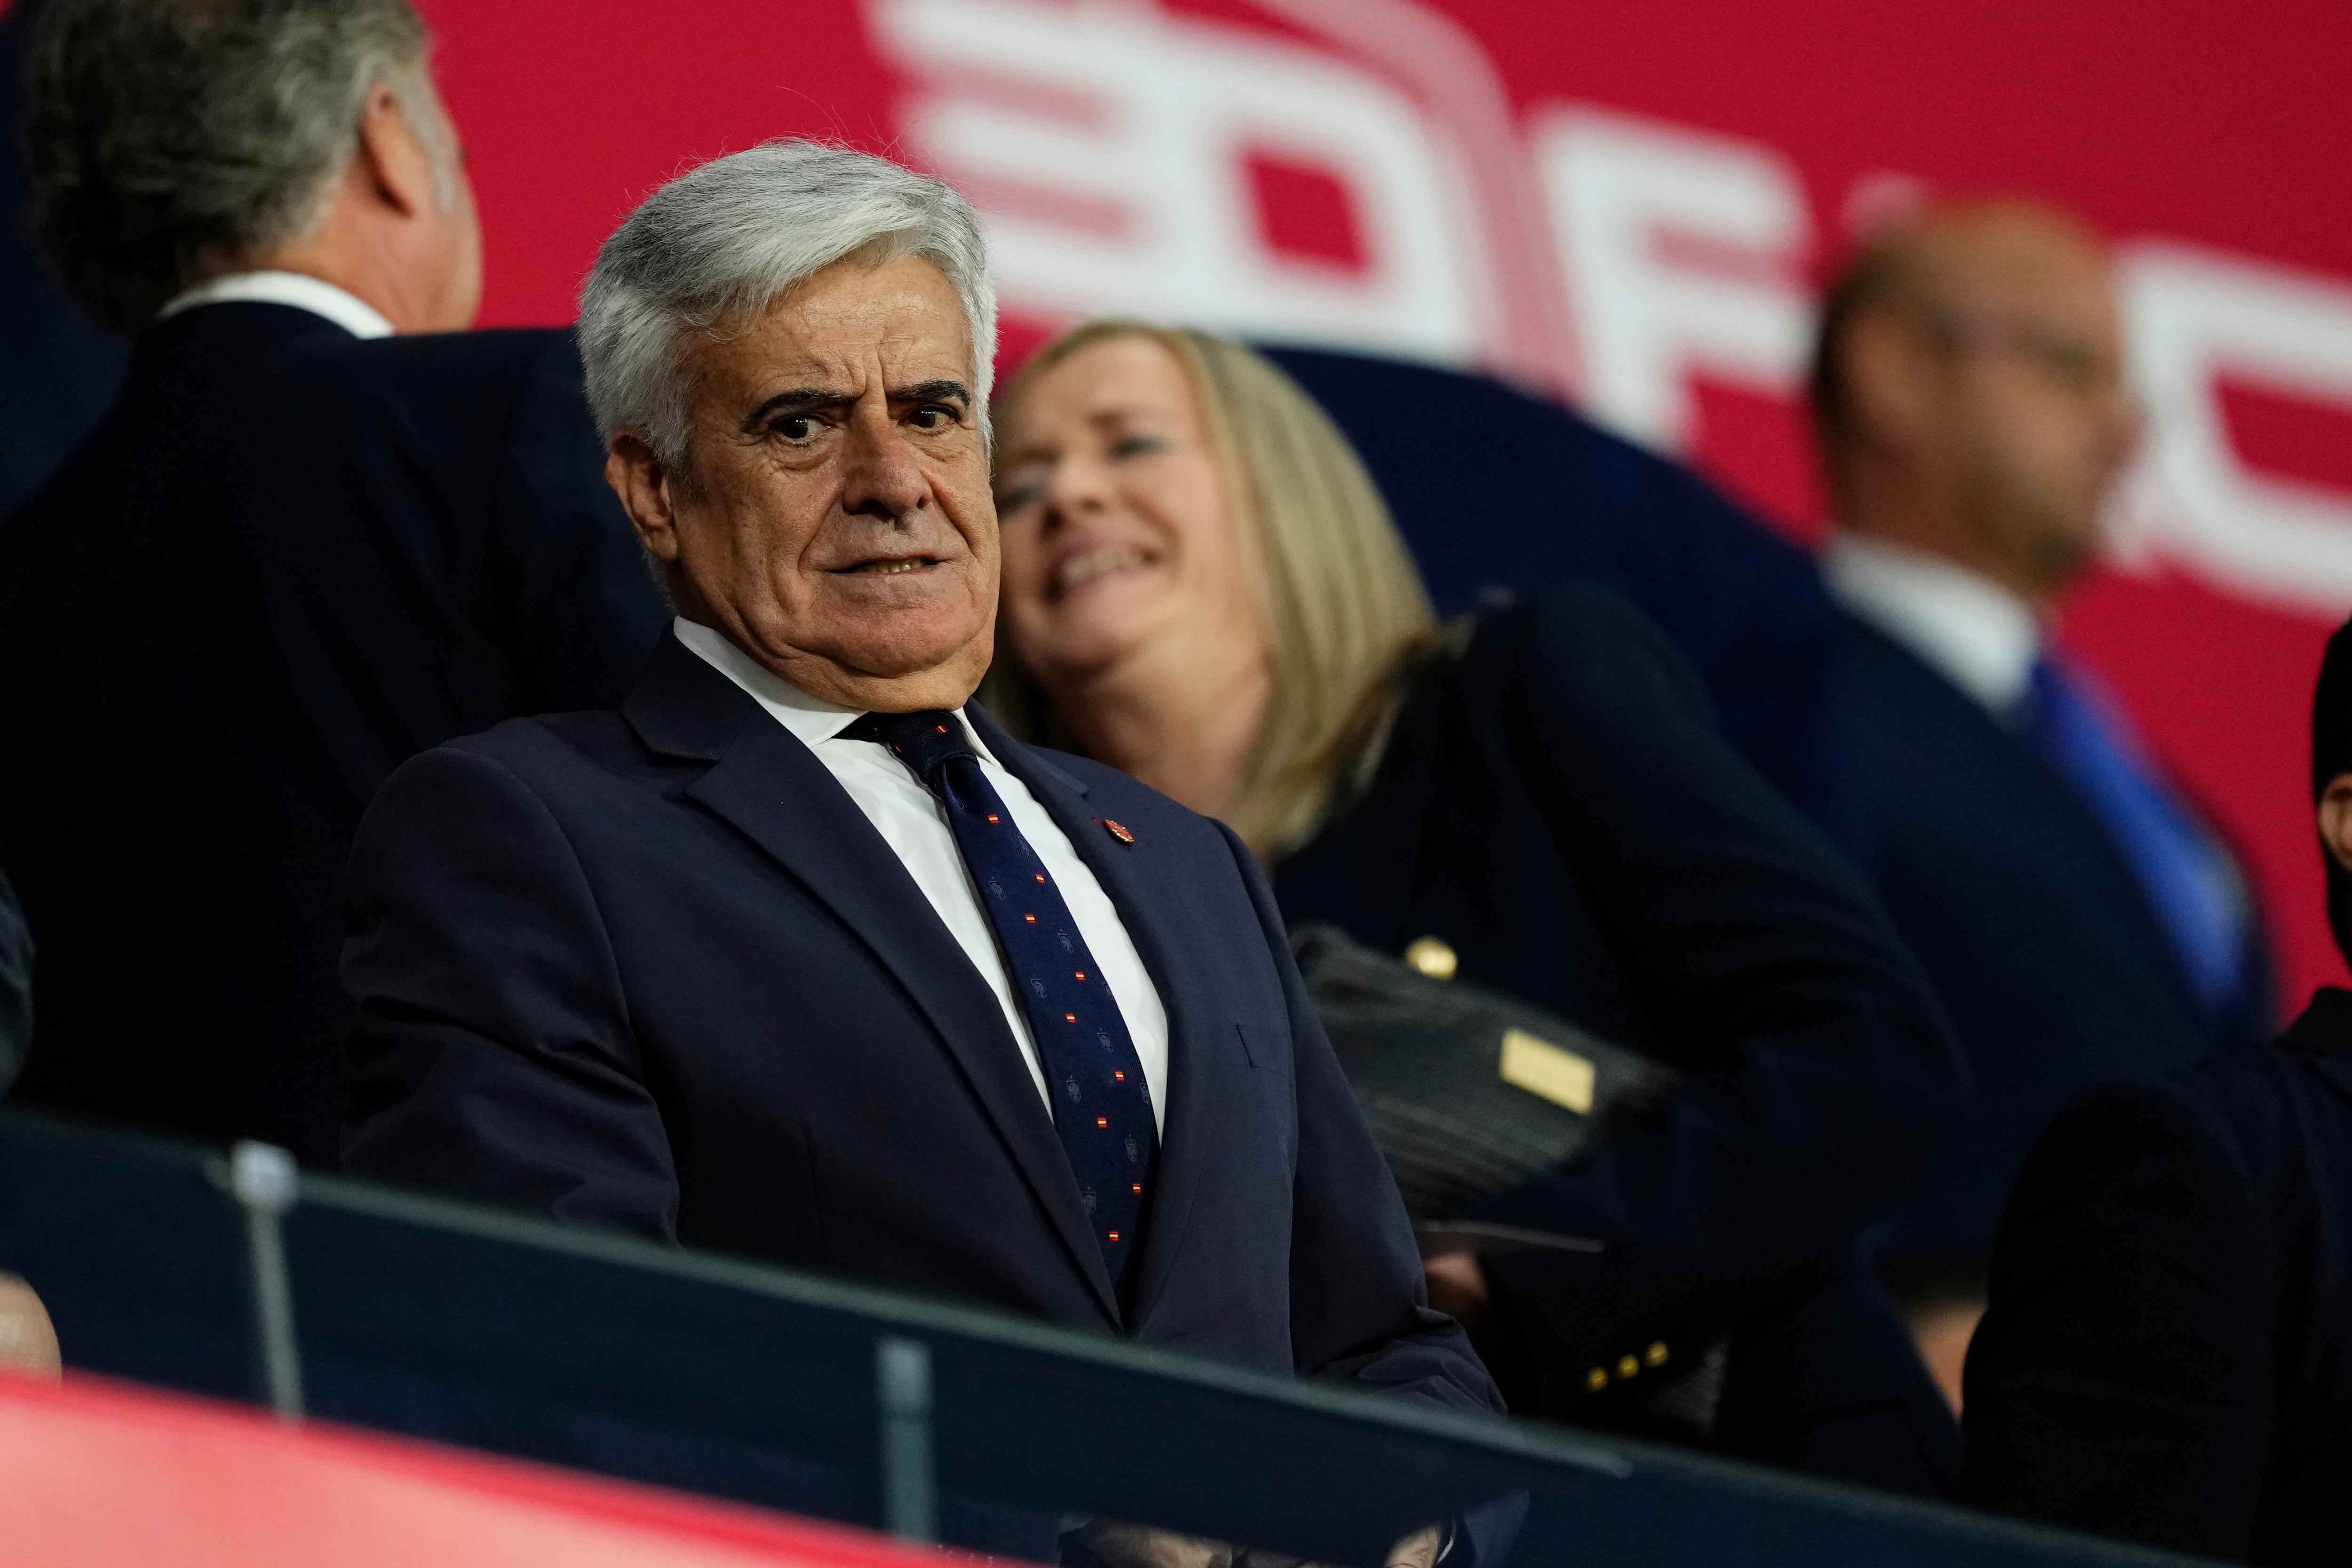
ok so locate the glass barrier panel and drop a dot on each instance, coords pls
(996, 1436)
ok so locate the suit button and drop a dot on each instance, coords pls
(1597, 1379)
(1432, 958)
(1628, 1365)
(1656, 1355)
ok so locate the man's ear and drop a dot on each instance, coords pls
(391, 158)
(1886, 387)
(647, 490)
(2335, 819)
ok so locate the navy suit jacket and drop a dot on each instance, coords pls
(2028, 918)
(283, 562)
(655, 970)
(2168, 1355)
(1557, 806)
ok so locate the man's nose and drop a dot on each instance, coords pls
(885, 479)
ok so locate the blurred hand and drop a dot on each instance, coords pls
(1123, 1545)
(28, 1342)
(1457, 1287)
(1419, 1550)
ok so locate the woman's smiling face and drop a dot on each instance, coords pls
(1117, 522)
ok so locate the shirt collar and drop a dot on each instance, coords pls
(1980, 636)
(299, 289)
(812, 719)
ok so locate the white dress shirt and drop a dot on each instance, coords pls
(299, 289)
(911, 820)
(1975, 633)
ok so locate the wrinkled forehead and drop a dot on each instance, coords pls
(855, 328)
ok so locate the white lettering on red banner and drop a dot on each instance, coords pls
(2196, 318)
(1112, 148)
(1109, 146)
(1680, 253)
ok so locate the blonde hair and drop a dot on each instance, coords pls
(1345, 609)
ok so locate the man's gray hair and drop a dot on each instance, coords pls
(174, 140)
(722, 242)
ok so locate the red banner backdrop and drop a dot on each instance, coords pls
(104, 1474)
(1624, 205)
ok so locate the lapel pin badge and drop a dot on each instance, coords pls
(1115, 830)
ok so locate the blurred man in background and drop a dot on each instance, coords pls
(2084, 923)
(296, 550)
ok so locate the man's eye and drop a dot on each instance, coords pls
(796, 427)
(932, 416)
(2079, 368)
(1137, 445)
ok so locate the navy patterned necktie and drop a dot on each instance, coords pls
(1102, 1107)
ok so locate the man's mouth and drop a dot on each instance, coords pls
(1094, 563)
(891, 568)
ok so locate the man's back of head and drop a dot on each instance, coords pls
(177, 142)
(1968, 389)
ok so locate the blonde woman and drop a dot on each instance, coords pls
(1202, 587)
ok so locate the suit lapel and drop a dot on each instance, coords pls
(1128, 873)
(769, 786)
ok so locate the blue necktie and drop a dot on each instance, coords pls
(2190, 881)
(1102, 1107)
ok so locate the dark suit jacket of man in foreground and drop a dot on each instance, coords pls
(653, 970)
(285, 560)
(2168, 1355)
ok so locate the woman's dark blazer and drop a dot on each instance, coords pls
(1556, 806)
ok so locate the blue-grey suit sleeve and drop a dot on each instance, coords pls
(1359, 1312)
(490, 1050)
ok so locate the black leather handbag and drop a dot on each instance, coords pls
(1468, 1093)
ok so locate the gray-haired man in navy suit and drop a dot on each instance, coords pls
(798, 955)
